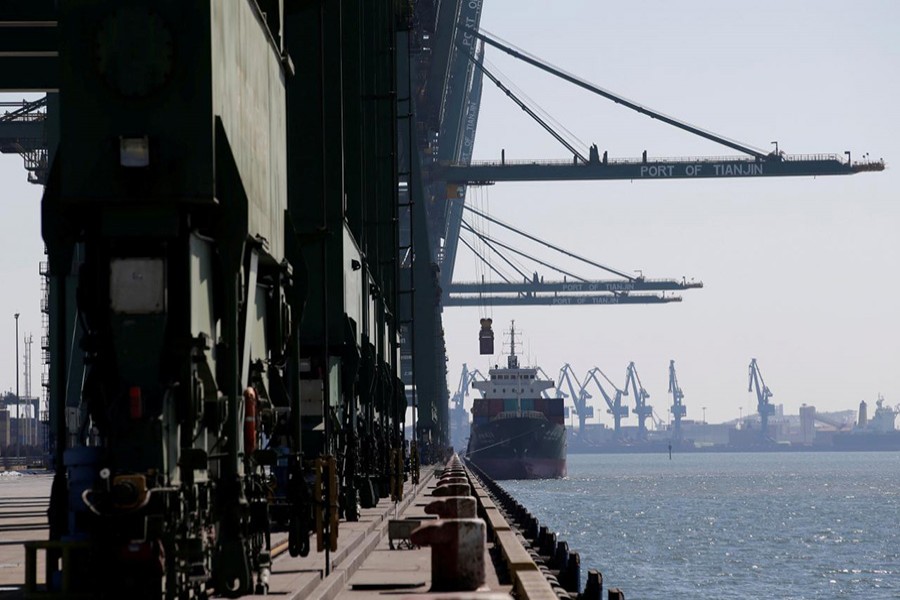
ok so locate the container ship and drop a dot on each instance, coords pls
(517, 433)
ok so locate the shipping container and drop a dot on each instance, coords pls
(555, 407)
(496, 406)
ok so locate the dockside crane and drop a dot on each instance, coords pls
(545, 393)
(567, 375)
(526, 288)
(679, 411)
(614, 405)
(459, 420)
(763, 394)
(22, 132)
(752, 162)
(641, 408)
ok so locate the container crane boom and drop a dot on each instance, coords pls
(763, 394)
(641, 408)
(753, 163)
(678, 409)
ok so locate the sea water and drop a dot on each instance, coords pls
(720, 526)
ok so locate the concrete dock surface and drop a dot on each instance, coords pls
(367, 563)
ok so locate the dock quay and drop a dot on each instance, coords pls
(455, 534)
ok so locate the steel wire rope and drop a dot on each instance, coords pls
(475, 252)
(486, 226)
(554, 247)
(503, 275)
(483, 34)
(528, 256)
(534, 105)
(486, 259)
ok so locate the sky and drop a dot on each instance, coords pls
(20, 258)
(799, 273)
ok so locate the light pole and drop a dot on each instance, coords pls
(704, 415)
(741, 412)
(18, 400)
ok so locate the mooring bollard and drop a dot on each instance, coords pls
(457, 553)
(593, 589)
(560, 556)
(452, 480)
(453, 507)
(570, 578)
(548, 545)
(615, 594)
(453, 489)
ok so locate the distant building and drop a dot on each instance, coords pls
(25, 432)
(4, 428)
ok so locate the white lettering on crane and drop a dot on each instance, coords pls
(739, 170)
(657, 170)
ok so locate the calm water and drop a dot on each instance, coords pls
(718, 526)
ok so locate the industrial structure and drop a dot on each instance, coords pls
(252, 211)
(763, 393)
(678, 410)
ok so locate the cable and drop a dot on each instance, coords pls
(519, 252)
(551, 246)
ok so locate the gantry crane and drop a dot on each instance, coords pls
(526, 288)
(22, 132)
(762, 399)
(678, 409)
(752, 162)
(457, 173)
(614, 405)
(641, 408)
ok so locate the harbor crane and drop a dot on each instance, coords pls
(641, 408)
(614, 405)
(752, 162)
(763, 393)
(679, 411)
(526, 288)
(453, 173)
(567, 375)
(459, 420)
(545, 393)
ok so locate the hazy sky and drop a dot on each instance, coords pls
(800, 273)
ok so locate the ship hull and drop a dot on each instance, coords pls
(528, 468)
(868, 441)
(519, 448)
